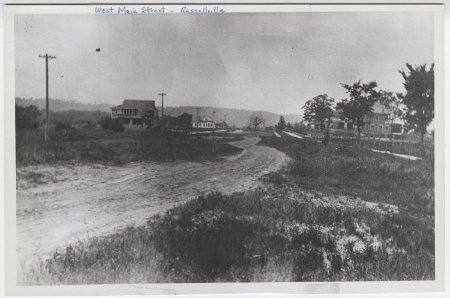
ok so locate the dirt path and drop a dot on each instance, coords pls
(57, 205)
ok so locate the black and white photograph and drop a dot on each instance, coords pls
(161, 145)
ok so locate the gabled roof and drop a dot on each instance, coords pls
(144, 105)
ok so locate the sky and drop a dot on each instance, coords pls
(267, 61)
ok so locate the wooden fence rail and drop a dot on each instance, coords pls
(401, 145)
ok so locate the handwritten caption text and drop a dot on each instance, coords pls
(129, 10)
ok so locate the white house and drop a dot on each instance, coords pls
(203, 123)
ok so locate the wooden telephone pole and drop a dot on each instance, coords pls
(162, 112)
(46, 56)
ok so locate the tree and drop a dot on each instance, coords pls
(185, 120)
(27, 117)
(418, 102)
(281, 123)
(256, 120)
(300, 127)
(112, 124)
(361, 99)
(319, 109)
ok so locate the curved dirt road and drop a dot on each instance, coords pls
(57, 205)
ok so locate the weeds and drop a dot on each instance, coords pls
(68, 144)
(253, 236)
(360, 173)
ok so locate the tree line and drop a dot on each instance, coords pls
(28, 117)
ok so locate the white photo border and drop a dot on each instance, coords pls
(223, 288)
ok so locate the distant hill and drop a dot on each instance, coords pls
(236, 117)
(58, 105)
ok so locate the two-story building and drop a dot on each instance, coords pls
(135, 114)
(382, 121)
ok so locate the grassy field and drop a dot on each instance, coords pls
(103, 146)
(358, 172)
(334, 213)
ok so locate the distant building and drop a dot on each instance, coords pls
(339, 125)
(203, 123)
(134, 113)
(336, 123)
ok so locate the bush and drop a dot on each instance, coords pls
(59, 125)
(275, 178)
(112, 124)
(90, 124)
(27, 117)
(77, 117)
(211, 241)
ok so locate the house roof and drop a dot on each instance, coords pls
(202, 120)
(378, 108)
(144, 105)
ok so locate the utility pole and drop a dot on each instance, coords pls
(46, 56)
(162, 112)
(197, 115)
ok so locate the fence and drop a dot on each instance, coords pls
(402, 144)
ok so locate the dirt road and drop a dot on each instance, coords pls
(57, 205)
